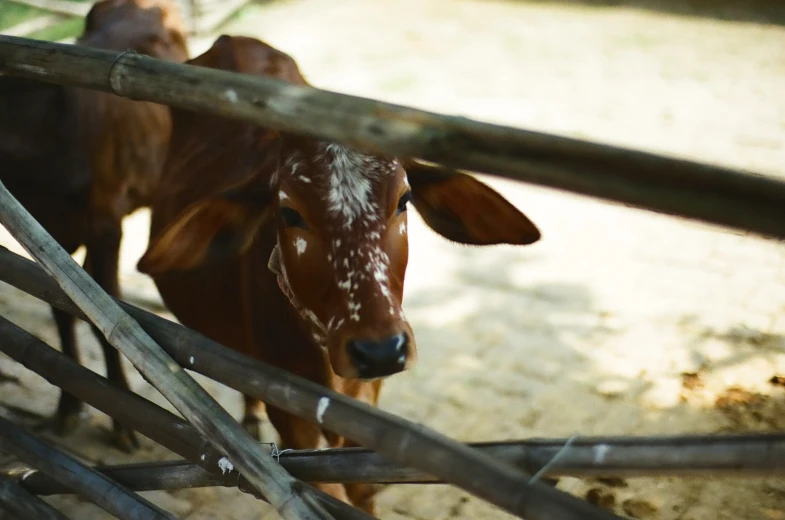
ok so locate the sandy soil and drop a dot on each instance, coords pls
(587, 332)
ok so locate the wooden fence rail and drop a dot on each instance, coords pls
(707, 193)
(738, 455)
(88, 483)
(22, 505)
(396, 439)
(733, 456)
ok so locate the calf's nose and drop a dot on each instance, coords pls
(374, 359)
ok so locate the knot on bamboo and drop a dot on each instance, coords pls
(114, 81)
(122, 324)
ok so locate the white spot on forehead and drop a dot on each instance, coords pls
(350, 182)
(282, 195)
(300, 244)
(304, 179)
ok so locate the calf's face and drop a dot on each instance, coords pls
(342, 253)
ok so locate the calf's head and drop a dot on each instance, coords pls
(151, 27)
(342, 253)
(340, 218)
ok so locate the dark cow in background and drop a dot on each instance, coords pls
(294, 250)
(80, 160)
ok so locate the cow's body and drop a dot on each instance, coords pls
(80, 160)
(293, 251)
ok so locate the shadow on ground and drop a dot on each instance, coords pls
(501, 359)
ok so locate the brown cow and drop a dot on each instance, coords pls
(293, 250)
(80, 160)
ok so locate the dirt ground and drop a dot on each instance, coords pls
(589, 331)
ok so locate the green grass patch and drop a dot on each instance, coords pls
(12, 13)
(67, 29)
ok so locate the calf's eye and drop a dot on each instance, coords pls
(291, 218)
(405, 198)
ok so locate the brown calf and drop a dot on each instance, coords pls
(80, 160)
(294, 250)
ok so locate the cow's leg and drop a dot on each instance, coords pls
(297, 434)
(255, 412)
(103, 263)
(69, 409)
(363, 496)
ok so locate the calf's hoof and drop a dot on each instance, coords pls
(124, 439)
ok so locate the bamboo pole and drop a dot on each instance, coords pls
(179, 388)
(88, 483)
(22, 505)
(159, 476)
(733, 456)
(737, 455)
(396, 439)
(136, 412)
(667, 185)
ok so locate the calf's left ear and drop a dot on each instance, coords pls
(209, 230)
(465, 210)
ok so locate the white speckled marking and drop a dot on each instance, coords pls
(225, 465)
(300, 244)
(321, 408)
(351, 175)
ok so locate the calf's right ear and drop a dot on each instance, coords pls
(465, 210)
(209, 230)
